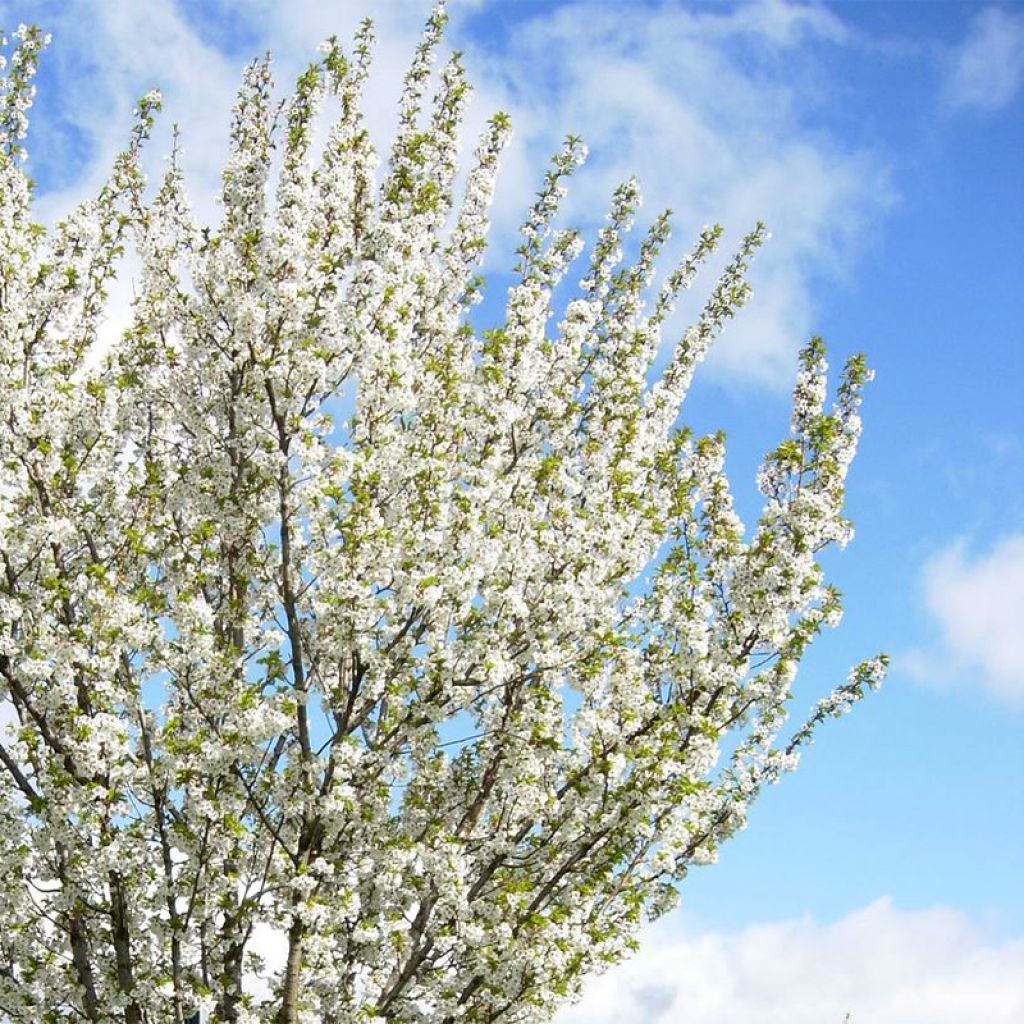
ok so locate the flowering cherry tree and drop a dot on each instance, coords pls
(332, 625)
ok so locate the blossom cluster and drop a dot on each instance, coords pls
(440, 654)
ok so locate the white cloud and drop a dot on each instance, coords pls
(978, 603)
(880, 964)
(110, 54)
(711, 109)
(987, 69)
(105, 57)
(130, 49)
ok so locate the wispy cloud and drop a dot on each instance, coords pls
(879, 964)
(712, 110)
(104, 57)
(709, 108)
(977, 603)
(987, 70)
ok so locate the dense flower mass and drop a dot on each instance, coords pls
(332, 625)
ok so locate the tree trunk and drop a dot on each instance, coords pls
(121, 935)
(289, 1012)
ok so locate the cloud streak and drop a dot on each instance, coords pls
(880, 964)
(977, 603)
(710, 109)
(987, 69)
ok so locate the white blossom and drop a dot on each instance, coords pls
(440, 653)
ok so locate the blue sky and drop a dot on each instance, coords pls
(883, 144)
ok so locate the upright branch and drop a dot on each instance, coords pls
(363, 665)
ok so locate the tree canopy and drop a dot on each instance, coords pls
(431, 656)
